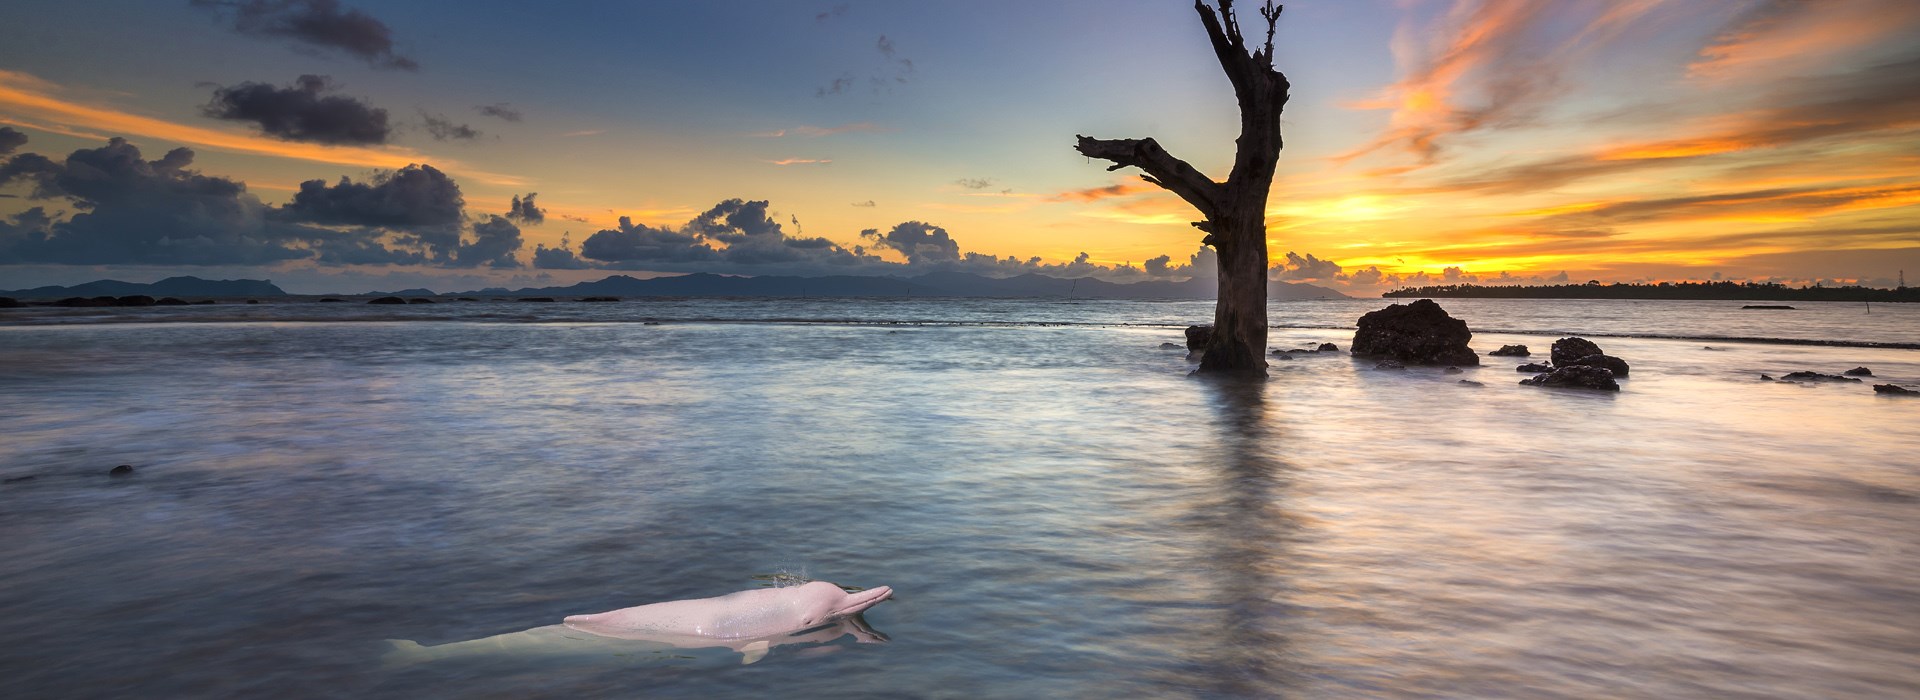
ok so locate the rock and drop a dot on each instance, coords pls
(1299, 351)
(656, 323)
(1767, 306)
(1419, 333)
(466, 299)
(170, 301)
(1566, 350)
(539, 299)
(10, 303)
(599, 298)
(1390, 364)
(1766, 378)
(84, 302)
(1577, 377)
(1712, 348)
(122, 470)
(331, 300)
(1469, 382)
(388, 300)
(420, 300)
(1816, 377)
(1893, 390)
(253, 301)
(1327, 347)
(1858, 372)
(134, 300)
(1198, 337)
(1172, 346)
(204, 302)
(1534, 367)
(1511, 351)
(1613, 364)
(1282, 356)
(1453, 370)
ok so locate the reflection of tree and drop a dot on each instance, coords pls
(1248, 535)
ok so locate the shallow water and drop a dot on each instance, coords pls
(1060, 509)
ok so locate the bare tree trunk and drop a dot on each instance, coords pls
(1236, 210)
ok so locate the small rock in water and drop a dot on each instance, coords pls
(1419, 333)
(1768, 306)
(1198, 336)
(10, 303)
(1816, 377)
(599, 298)
(1511, 351)
(538, 299)
(122, 470)
(1390, 364)
(387, 300)
(1533, 367)
(1172, 346)
(1469, 382)
(1710, 347)
(1893, 390)
(1858, 372)
(1566, 350)
(1613, 364)
(170, 301)
(253, 301)
(1578, 377)
(1282, 356)
(1452, 370)
(420, 300)
(1766, 378)
(1328, 347)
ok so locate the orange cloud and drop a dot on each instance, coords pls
(21, 93)
(1777, 33)
(818, 131)
(1094, 194)
(800, 161)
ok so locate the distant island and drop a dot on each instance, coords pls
(932, 284)
(1726, 291)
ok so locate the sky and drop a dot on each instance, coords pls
(345, 146)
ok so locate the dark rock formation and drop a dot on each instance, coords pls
(1578, 377)
(1892, 390)
(253, 301)
(1327, 347)
(84, 302)
(1390, 364)
(420, 300)
(1511, 351)
(1453, 370)
(1533, 367)
(331, 300)
(122, 470)
(1766, 378)
(1172, 346)
(170, 301)
(1419, 333)
(466, 299)
(1469, 382)
(1198, 337)
(1816, 377)
(10, 303)
(599, 298)
(388, 300)
(1613, 364)
(133, 300)
(1281, 355)
(1566, 350)
(539, 299)
(1858, 372)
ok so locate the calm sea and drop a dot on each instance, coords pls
(1061, 510)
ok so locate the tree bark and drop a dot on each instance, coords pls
(1235, 211)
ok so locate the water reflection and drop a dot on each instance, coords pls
(1246, 540)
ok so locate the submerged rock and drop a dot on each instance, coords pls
(122, 470)
(388, 300)
(538, 299)
(1281, 355)
(10, 303)
(466, 299)
(599, 298)
(1766, 378)
(1577, 377)
(331, 300)
(84, 302)
(1419, 333)
(1390, 364)
(1172, 346)
(1327, 347)
(1199, 336)
(1469, 382)
(1511, 351)
(1858, 372)
(1534, 367)
(133, 300)
(1613, 364)
(1566, 350)
(1816, 377)
(204, 302)
(1894, 390)
(420, 300)
(1452, 370)
(170, 301)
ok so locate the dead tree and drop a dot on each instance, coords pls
(1236, 210)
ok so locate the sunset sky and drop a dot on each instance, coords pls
(1499, 141)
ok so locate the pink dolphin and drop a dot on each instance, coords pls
(757, 613)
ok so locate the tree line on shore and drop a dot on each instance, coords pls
(1732, 291)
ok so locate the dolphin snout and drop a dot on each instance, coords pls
(857, 602)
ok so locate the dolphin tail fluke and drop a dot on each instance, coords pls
(754, 652)
(403, 652)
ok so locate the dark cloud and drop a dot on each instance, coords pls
(11, 140)
(641, 243)
(1306, 267)
(135, 211)
(442, 128)
(560, 258)
(839, 85)
(500, 110)
(733, 220)
(316, 23)
(524, 210)
(419, 205)
(495, 241)
(300, 113)
(974, 183)
(920, 242)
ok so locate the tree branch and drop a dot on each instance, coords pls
(1161, 169)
